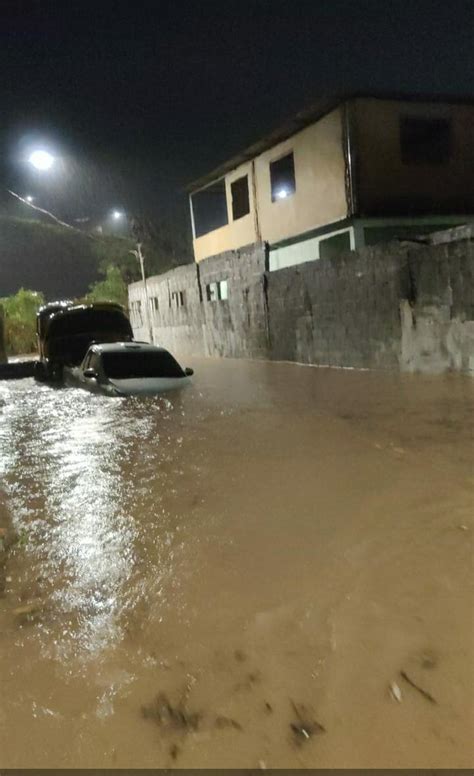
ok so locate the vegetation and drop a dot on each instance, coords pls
(112, 289)
(20, 320)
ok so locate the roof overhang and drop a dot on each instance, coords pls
(304, 118)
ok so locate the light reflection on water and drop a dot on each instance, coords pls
(68, 493)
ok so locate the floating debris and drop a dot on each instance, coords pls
(268, 707)
(395, 692)
(415, 686)
(33, 607)
(174, 751)
(428, 660)
(172, 717)
(304, 728)
(227, 722)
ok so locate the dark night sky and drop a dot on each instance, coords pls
(157, 92)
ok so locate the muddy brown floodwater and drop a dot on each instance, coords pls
(270, 569)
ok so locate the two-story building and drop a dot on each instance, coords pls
(348, 172)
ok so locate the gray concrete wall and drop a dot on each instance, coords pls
(398, 305)
(236, 327)
(340, 312)
(438, 329)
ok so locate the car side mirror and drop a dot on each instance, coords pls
(90, 373)
(188, 371)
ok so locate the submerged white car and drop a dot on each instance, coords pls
(127, 369)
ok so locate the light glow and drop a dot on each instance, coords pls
(41, 160)
(282, 193)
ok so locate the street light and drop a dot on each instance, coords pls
(29, 198)
(117, 215)
(41, 159)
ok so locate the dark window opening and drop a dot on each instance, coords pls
(178, 299)
(240, 197)
(282, 177)
(425, 140)
(154, 303)
(127, 365)
(333, 246)
(210, 208)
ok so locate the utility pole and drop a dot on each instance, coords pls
(139, 255)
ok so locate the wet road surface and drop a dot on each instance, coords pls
(272, 568)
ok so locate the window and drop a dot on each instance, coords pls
(217, 290)
(333, 246)
(282, 177)
(425, 140)
(149, 363)
(136, 310)
(177, 299)
(209, 208)
(239, 190)
(154, 304)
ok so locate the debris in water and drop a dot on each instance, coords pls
(240, 656)
(463, 528)
(171, 717)
(174, 751)
(33, 607)
(428, 660)
(268, 707)
(417, 687)
(304, 728)
(395, 691)
(227, 722)
(262, 765)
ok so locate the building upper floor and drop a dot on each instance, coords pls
(360, 157)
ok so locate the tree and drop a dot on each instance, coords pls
(112, 289)
(20, 320)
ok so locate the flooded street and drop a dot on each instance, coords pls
(272, 568)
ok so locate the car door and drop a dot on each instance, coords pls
(91, 361)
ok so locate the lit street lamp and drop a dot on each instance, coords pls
(29, 198)
(117, 215)
(41, 159)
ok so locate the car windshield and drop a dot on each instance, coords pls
(130, 364)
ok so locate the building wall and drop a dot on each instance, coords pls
(176, 328)
(393, 306)
(235, 234)
(320, 196)
(387, 186)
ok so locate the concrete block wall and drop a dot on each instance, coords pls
(341, 311)
(179, 329)
(438, 327)
(236, 327)
(397, 305)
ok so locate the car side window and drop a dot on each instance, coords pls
(95, 362)
(87, 361)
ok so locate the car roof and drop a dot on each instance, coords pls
(121, 347)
